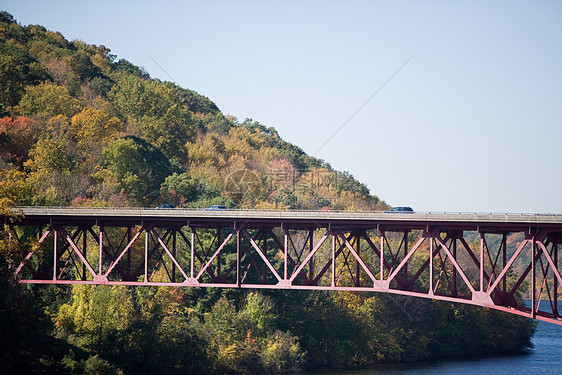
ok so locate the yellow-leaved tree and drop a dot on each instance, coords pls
(12, 183)
(94, 315)
(94, 126)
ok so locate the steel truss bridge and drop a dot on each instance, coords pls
(490, 260)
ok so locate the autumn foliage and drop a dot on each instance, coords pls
(80, 128)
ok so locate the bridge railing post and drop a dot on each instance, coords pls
(431, 292)
(381, 265)
(55, 243)
(333, 283)
(481, 266)
(84, 252)
(454, 283)
(285, 250)
(192, 256)
(238, 260)
(146, 238)
(100, 260)
(556, 270)
(533, 277)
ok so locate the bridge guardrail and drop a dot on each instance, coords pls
(195, 209)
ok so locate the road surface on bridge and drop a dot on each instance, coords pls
(290, 216)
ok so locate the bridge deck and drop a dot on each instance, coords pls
(314, 218)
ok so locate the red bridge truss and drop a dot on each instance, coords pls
(487, 260)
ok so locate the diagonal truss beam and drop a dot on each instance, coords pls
(261, 254)
(309, 256)
(223, 244)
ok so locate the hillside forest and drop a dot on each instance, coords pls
(81, 128)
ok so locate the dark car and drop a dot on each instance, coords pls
(216, 207)
(165, 206)
(401, 210)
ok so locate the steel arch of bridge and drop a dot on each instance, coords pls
(484, 260)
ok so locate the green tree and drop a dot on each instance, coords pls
(127, 67)
(95, 315)
(26, 344)
(259, 314)
(158, 111)
(163, 337)
(12, 184)
(50, 155)
(139, 167)
(82, 65)
(180, 188)
(94, 365)
(48, 99)
(282, 353)
(100, 85)
(17, 70)
(236, 349)
(53, 178)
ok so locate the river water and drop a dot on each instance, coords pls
(545, 358)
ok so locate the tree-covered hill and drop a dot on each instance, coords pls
(78, 128)
(84, 128)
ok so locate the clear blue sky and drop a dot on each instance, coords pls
(473, 122)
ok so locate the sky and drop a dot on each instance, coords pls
(438, 105)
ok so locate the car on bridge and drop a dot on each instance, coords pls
(215, 207)
(400, 210)
(165, 206)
